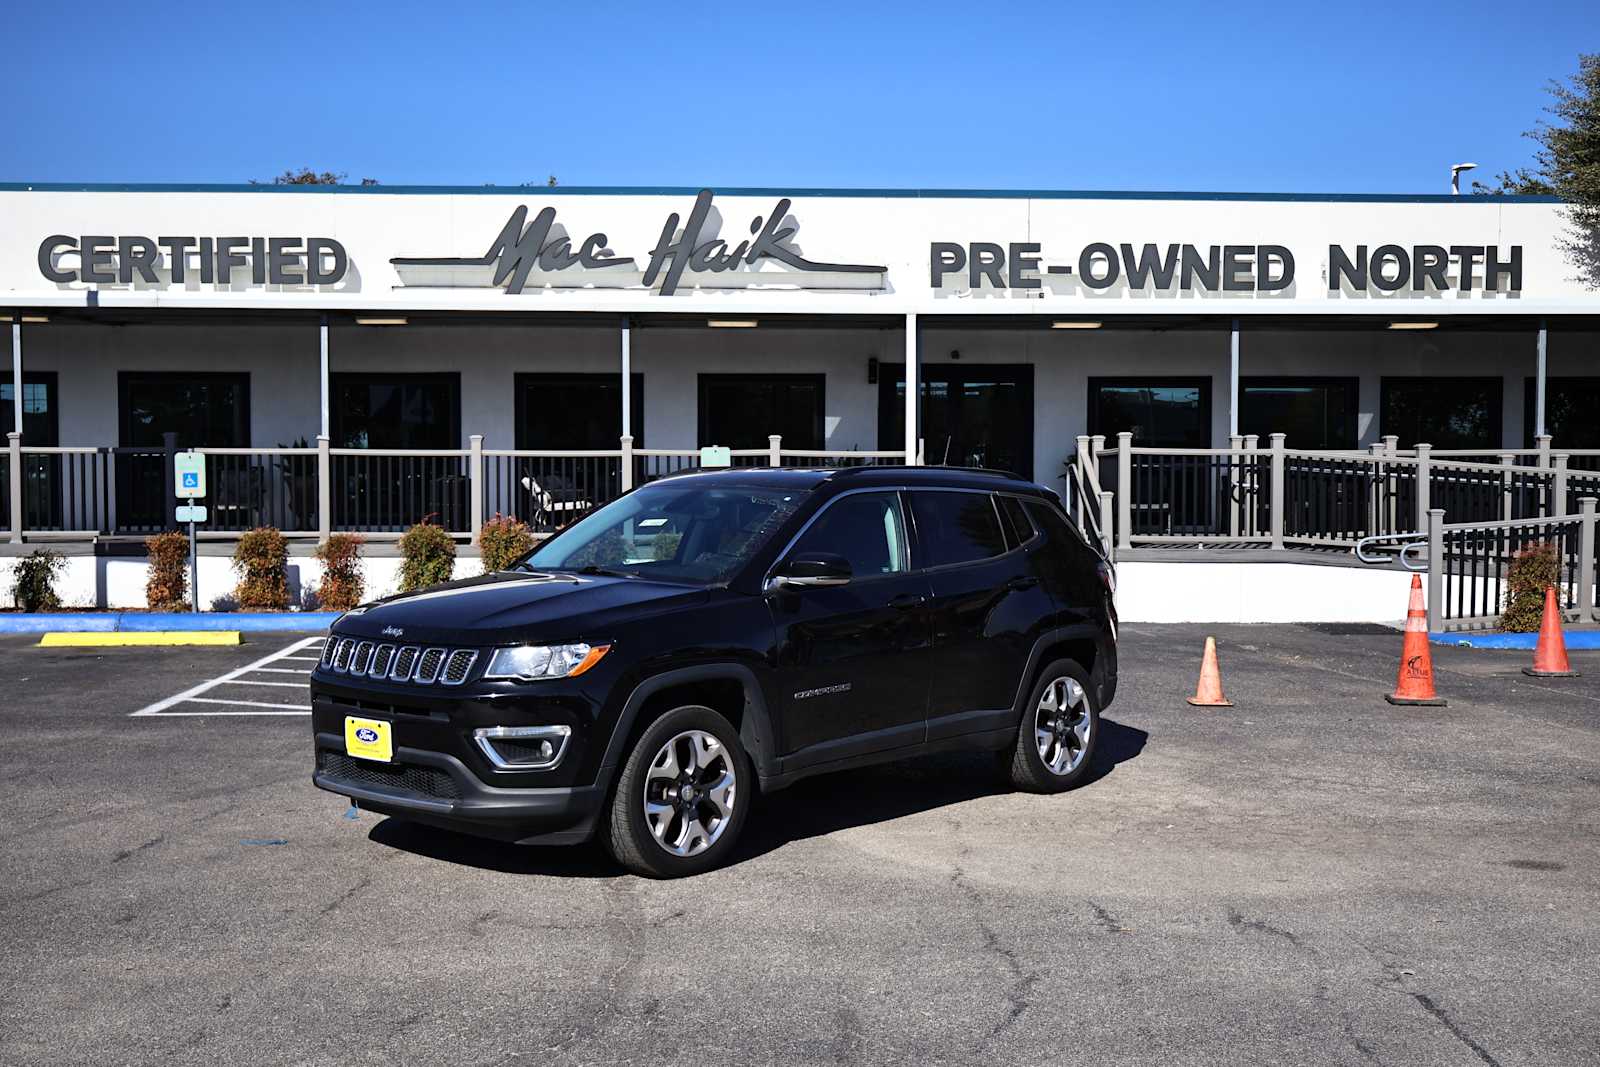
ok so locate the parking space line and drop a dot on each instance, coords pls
(256, 681)
(193, 694)
(278, 670)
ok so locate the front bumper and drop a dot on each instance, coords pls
(438, 789)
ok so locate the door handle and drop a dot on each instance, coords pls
(1021, 582)
(907, 601)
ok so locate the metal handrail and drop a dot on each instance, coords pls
(1414, 539)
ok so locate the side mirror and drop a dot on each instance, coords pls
(810, 570)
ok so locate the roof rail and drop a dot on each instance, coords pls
(994, 472)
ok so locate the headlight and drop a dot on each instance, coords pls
(532, 662)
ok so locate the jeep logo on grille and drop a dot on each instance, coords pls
(393, 631)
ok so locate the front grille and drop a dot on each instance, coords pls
(427, 782)
(428, 666)
(408, 663)
(457, 666)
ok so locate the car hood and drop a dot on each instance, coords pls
(513, 606)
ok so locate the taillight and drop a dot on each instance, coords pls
(1108, 575)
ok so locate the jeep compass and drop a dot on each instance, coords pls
(645, 672)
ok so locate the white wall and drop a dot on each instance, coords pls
(1259, 592)
(119, 581)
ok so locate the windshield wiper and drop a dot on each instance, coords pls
(604, 572)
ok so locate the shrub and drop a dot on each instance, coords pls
(428, 556)
(502, 541)
(33, 585)
(342, 586)
(1533, 569)
(167, 587)
(261, 560)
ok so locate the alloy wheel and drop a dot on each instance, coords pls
(689, 793)
(1061, 726)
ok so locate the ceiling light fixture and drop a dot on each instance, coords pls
(732, 324)
(1074, 325)
(381, 322)
(1413, 325)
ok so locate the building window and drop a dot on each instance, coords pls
(1570, 413)
(1312, 412)
(565, 412)
(39, 425)
(204, 410)
(396, 410)
(1442, 412)
(741, 410)
(1159, 412)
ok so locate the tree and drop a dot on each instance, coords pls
(307, 176)
(1567, 164)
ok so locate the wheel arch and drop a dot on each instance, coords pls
(1082, 644)
(728, 688)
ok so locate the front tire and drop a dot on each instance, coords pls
(1059, 731)
(682, 797)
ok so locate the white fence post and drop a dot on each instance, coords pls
(1507, 463)
(1558, 487)
(1105, 524)
(1235, 484)
(774, 449)
(1436, 565)
(627, 462)
(1125, 489)
(14, 447)
(1278, 495)
(324, 488)
(1586, 608)
(1424, 484)
(475, 483)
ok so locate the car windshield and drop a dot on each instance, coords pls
(682, 531)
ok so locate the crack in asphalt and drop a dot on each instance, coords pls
(365, 882)
(127, 852)
(1240, 923)
(1433, 1009)
(1022, 980)
(1111, 923)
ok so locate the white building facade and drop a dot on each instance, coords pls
(416, 320)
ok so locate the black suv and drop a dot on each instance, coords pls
(645, 672)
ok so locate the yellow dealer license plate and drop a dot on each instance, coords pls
(368, 739)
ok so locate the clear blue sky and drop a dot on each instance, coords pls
(1282, 97)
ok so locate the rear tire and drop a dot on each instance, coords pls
(1058, 733)
(682, 797)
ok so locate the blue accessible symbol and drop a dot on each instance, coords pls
(191, 480)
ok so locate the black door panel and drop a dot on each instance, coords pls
(852, 666)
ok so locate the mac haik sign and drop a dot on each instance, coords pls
(542, 254)
(1228, 269)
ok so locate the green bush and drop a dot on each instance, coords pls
(261, 560)
(33, 585)
(343, 585)
(167, 587)
(1533, 569)
(428, 556)
(502, 541)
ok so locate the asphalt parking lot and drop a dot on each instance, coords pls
(1311, 877)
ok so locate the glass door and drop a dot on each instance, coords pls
(201, 410)
(979, 415)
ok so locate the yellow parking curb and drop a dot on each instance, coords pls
(60, 639)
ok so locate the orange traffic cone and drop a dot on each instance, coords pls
(1415, 684)
(1550, 655)
(1208, 693)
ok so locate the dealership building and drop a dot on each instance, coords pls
(355, 357)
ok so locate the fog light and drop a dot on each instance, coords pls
(523, 748)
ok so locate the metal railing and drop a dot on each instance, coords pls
(1248, 496)
(78, 493)
(1469, 565)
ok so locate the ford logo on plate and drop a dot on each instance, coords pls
(367, 734)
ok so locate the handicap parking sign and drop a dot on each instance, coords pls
(189, 469)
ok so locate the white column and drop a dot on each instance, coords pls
(16, 373)
(1538, 398)
(627, 378)
(912, 389)
(1233, 384)
(323, 334)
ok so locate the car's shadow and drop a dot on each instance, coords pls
(810, 808)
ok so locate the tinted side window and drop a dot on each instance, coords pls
(1057, 529)
(1018, 527)
(956, 527)
(867, 529)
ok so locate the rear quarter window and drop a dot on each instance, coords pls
(956, 527)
